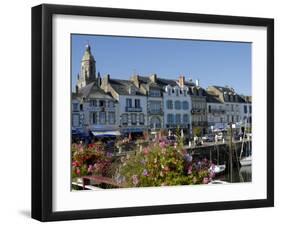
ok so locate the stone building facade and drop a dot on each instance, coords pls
(232, 102)
(94, 109)
(149, 87)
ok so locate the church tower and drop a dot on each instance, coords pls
(88, 68)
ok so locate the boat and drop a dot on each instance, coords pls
(218, 182)
(246, 161)
(217, 169)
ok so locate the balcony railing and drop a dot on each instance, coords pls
(181, 125)
(155, 111)
(133, 109)
(217, 111)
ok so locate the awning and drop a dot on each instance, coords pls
(106, 133)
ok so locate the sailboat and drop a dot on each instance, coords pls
(247, 160)
(217, 169)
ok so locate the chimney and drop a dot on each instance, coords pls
(153, 78)
(136, 80)
(197, 82)
(99, 80)
(107, 79)
(182, 81)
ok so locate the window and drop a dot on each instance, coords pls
(75, 120)
(95, 118)
(170, 118)
(177, 92)
(169, 104)
(237, 118)
(137, 103)
(102, 103)
(75, 107)
(232, 107)
(232, 118)
(94, 103)
(81, 107)
(133, 119)
(178, 118)
(169, 91)
(128, 103)
(250, 109)
(154, 93)
(111, 104)
(124, 119)
(185, 105)
(185, 119)
(111, 117)
(227, 118)
(155, 106)
(102, 116)
(177, 105)
(210, 109)
(245, 109)
(141, 119)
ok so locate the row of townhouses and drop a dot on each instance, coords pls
(149, 103)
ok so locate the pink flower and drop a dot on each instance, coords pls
(212, 174)
(162, 144)
(90, 169)
(75, 163)
(205, 180)
(145, 151)
(189, 170)
(135, 180)
(78, 171)
(166, 169)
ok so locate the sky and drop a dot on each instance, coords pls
(211, 62)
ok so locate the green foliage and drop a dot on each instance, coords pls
(197, 131)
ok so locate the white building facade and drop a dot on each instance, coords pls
(132, 105)
(177, 107)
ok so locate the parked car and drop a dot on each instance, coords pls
(208, 138)
(220, 136)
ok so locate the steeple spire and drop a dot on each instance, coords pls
(88, 68)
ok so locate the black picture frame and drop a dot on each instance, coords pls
(42, 111)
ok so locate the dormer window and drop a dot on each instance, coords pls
(168, 90)
(177, 91)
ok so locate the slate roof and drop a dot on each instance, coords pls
(122, 87)
(165, 82)
(230, 90)
(147, 83)
(92, 90)
(212, 98)
(224, 89)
